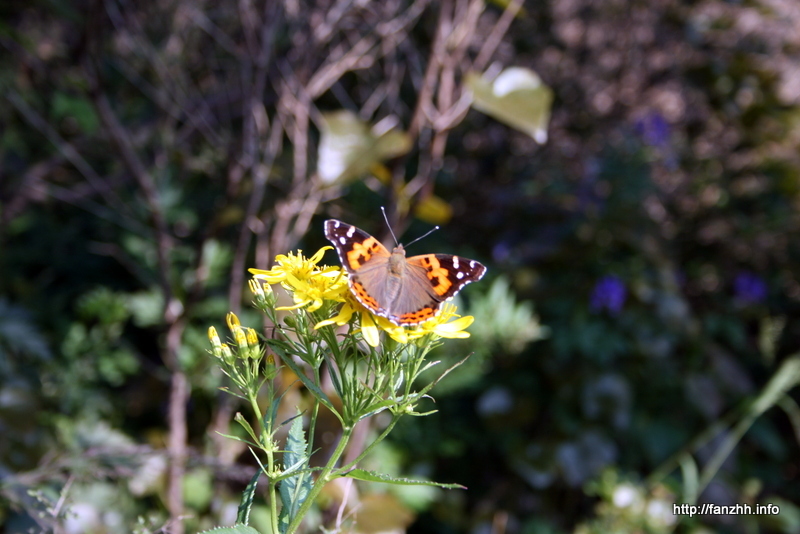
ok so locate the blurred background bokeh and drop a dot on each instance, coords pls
(628, 171)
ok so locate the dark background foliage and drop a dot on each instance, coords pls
(151, 151)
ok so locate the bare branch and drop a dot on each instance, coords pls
(499, 30)
(65, 148)
(335, 68)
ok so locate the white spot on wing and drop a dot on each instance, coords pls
(455, 262)
(342, 240)
(459, 275)
(351, 231)
(472, 264)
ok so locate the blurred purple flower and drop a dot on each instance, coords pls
(609, 292)
(749, 288)
(654, 129)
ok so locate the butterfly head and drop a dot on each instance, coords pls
(397, 260)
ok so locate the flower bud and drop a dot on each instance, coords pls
(227, 355)
(254, 348)
(262, 291)
(216, 344)
(233, 322)
(241, 340)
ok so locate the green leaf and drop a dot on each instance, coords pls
(348, 146)
(239, 418)
(516, 97)
(237, 438)
(793, 412)
(243, 515)
(294, 490)
(235, 529)
(444, 374)
(690, 478)
(272, 412)
(372, 476)
(787, 376)
(784, 379)
(377, 408)
(308, 383)
(788, 520)
(147, 307)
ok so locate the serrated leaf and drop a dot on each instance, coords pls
(235, 529)
(516, 97)
(243, 514)
(372, 476)
(294, 490)
(290, 420)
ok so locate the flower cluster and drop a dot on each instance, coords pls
(312, 287)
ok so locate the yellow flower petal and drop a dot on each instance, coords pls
(369, 330)
(345, 313)
(452, 335)
(318, 254)
(454, 326)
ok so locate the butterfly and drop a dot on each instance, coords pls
(407, 291)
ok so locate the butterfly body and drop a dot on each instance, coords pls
(407, 291)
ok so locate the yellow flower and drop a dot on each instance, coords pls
(371, 324)
(316, 289)
(442, 326)
(299, 267)
(351, 306)
(309, 284)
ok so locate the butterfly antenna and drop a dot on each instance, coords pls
(385, 218)
(426, 234)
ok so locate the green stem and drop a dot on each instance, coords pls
(312, 426)
(345, 468)
(321, 481)
(273, 506)
(266, 446)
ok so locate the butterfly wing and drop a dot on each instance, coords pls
(429, 280)
(365, 260)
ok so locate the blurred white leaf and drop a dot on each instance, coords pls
(349, 147)
(516, 97)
